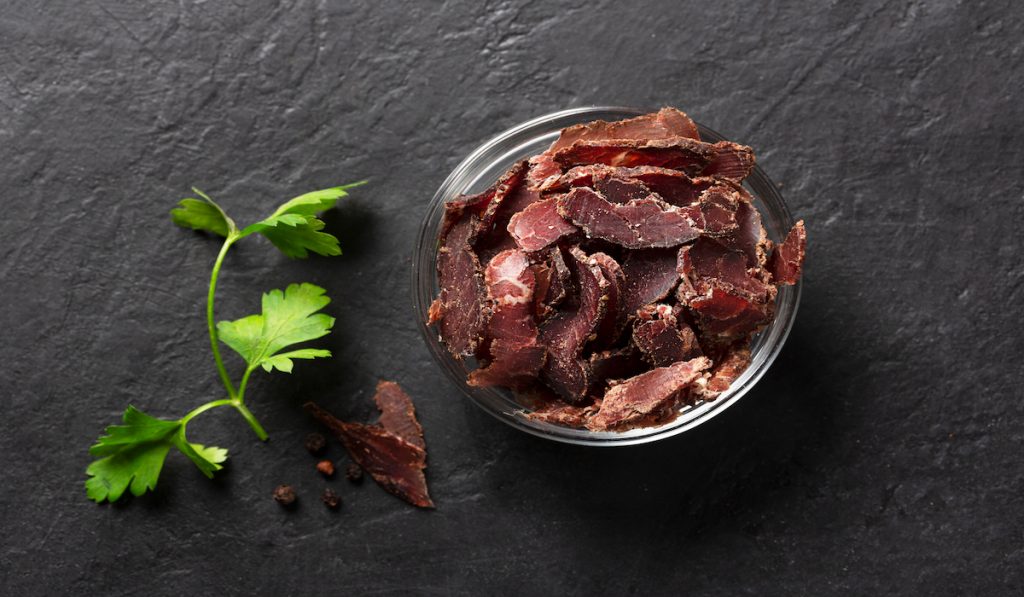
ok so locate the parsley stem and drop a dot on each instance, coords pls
(201, 409)
(245, 382)
(211, 325)
(241, 408)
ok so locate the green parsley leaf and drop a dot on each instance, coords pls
(202, 215)
(294, 227)
(207, 458)
(288, 317)
(132, 455)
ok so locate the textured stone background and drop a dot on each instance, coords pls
(882, 453)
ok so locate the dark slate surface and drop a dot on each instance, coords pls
(881, 454)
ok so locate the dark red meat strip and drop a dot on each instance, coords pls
(619, 363)
(639, 224)
(516, 357)
(539, 225)
(726, 370)
(662, 339)
(651, 276)
(708, 262)
(460, 309)
(723, 159)
(566, 333)
(511, 196)
(664, 124)
(619, 190)
(717, 207)
(542, 168)
(749, 237)
(647, 397)
(787, 260)
(397, 413)
(395, 464)
(566, 415)
(672, 186)
(614, 320)
(728, 298)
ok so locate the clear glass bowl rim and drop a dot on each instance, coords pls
(482, 166)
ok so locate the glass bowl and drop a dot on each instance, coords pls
(482, 168)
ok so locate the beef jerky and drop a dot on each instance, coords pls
(728, 298)
(674, 187)
(395, 464)
(749, 236)
(664, 124)
(613, 364)
(539, 225)
(516, 357)
(621, 190)
(662, 339)
(787, 260)
(639, 224)
(542, 169)
(567, 415)
(566, 333)
(553, 283)
(460, 309)
(708, 263)
(715, 211)
(651, 276)
(726, 370)
(397, 413)
(647, 397)
(723, 159)
(512, 195)
(729, 316)
(614, 320)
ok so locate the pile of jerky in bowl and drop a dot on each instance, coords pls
(614, 278)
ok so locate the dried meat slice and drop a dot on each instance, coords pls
(457, 208)
(673, 186)
(723, 159)
(621, 190)
(566, 415)
(614, 320)
(749, 236)
(395, 464)
(651, 275)
(708, 262)
(618, 363)
(639, 224)
(648, 397)
(787, 260)
(516, 357)
(664, 124)
(566, 333)
(460, 310)
(726, 371)
(662, 339)
(397, 413)
(543, 171)
(716, 209)
(512, 195)
(539, 225)
(728, 299)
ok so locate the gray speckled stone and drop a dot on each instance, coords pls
(882, 453)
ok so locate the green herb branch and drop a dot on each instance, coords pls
(131, 455)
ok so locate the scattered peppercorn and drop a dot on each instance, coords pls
(326, 468)
(330, 498)
(354, 473)
(284, 495)
(316, 444)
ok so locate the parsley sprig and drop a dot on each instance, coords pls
(131, 455)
